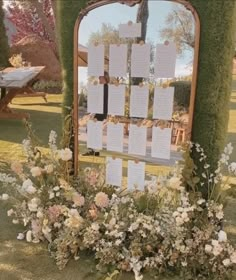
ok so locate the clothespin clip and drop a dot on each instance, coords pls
(113, 157)
(116, 83)
(140, 84)
(96, 44)
(136, 161)
(95, 120)
(116, 121)
(95, 83)
(166, 43)
(141, 43)
(164, 86)
(130, 22)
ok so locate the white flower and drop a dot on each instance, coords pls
(39, 214)
(133, 227)
(233, 257)
(179, 221)
(201, 201)
(20, 236)
(10, 212)
(5, 196)
(208, 248)
(30, 189)
(101, 200)
(226, 262)
(95, 226)
(232, 167)
(33, 204)
(78, 199)
(220, 215)
(51, 195)
(36, 171)
(118, 242)
(57, 225)
(56, 188)
(49, 168)
(65, 154)
(29, 236)
(222, 236)
(215, 242)
(228, 149)
(175, 183)
(15, 221)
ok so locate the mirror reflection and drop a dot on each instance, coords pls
(135, 71)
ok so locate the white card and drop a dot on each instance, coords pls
(116, 100)
(115, 135)
(130, 30)
(118, 60)
(161, 142)
(163, 103)
(136, 175)
(137, 140)
(95, 99)
(94, 134)
(139, 102)
(165, 61)
(140, 60)
(96, 60)
(114, 171)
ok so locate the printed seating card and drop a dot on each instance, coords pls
(161, 142)
(96, 60)
(139, 101)
(94, 134)
(116, 100)
(137, 140)
(140, 60)
(131, 30)
(114, 171)
(95, 99)
(163, 103)
(136, 175)
(165, 60)
(118, 60)
(115, 133)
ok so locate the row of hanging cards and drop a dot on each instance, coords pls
(137, 142)
(164, 64)
(139, 101)
(136, 173)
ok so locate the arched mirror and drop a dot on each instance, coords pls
(135, 80)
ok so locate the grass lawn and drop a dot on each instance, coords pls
(24, 261)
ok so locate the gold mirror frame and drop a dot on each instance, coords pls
(91, 5)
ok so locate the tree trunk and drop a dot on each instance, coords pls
(142, 16)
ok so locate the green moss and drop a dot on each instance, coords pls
(4, 47)
(211, 113)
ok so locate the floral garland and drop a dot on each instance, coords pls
(164, 228)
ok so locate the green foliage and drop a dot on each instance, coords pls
(67, 13)
(182, 93)
(211, 112)
(4, 49)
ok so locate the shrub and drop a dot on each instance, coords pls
(182, 93)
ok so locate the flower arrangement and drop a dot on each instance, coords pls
(163, 229)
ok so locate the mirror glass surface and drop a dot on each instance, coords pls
(166, 23)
